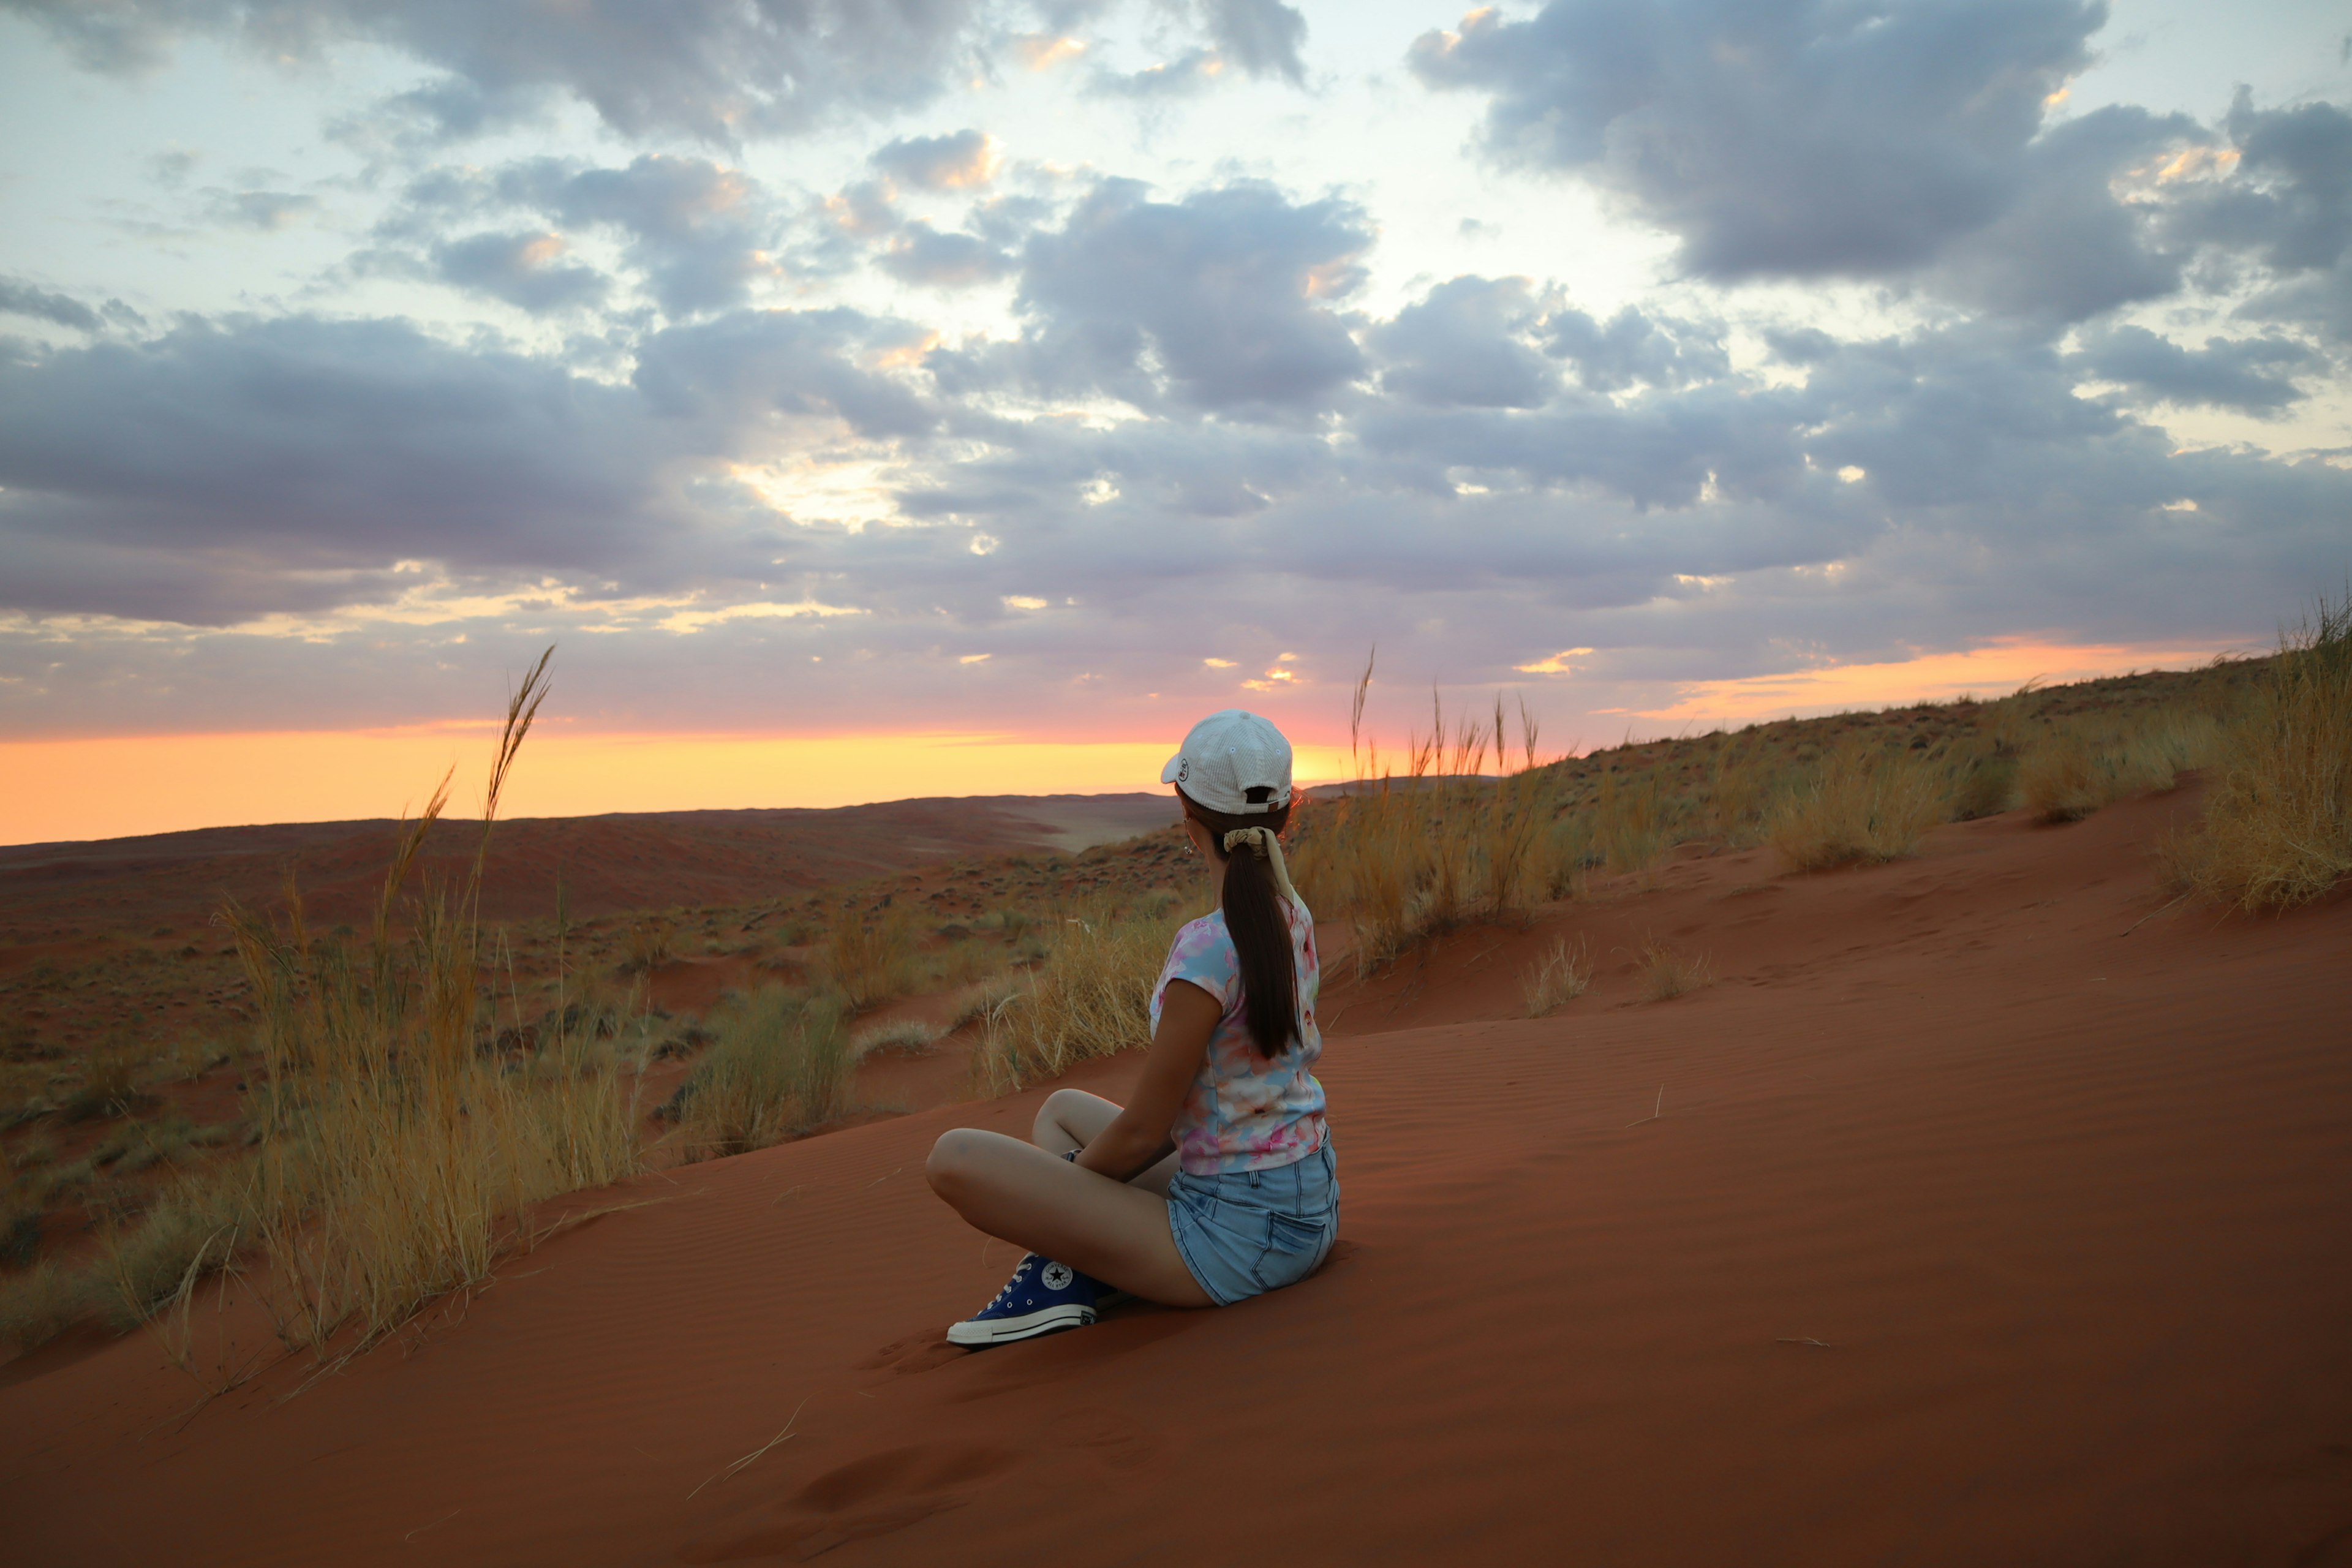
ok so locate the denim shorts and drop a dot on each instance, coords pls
(1247, 1232)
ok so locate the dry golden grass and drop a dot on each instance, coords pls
(2083, 765)
(649, 943)
(1090, 996)
(869, 955)
(781, 1065)
(2277, 829)
(1406, 855)
(1668, 972)
(907, 1036)
(1986, 786)
(38, 1305)
(1556, 978)
(1861, 804)
(398, 1162)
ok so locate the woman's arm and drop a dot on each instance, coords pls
(1137, 1138)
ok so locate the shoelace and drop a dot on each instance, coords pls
(1025, 1265)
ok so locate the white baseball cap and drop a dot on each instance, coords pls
(1234, 761)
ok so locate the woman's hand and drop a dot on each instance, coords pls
(1137, 1138)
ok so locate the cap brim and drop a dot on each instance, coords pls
(1175, 765)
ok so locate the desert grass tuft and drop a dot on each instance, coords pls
(870, 954)
(398, 1159)
(1556, 978)
(2277, 828)
(1090, 996)
(38, 1305)
(907, 1036)
(1860, 805)
(781, 1065)
(1668, 972)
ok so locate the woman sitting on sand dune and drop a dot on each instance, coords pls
(1216, 1182)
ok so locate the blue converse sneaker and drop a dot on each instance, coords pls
(1042, 1298)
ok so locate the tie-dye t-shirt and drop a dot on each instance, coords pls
(1243, 1112)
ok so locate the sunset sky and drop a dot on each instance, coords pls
(875, 398)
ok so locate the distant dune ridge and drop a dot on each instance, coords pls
(623, 861)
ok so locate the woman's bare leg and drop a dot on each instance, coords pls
(1026, 1194)
(1072, 1119)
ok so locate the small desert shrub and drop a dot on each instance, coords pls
(909, 1036)
(781, 1065)
(38, 1305)
(1632, 825)
(2277, 829)
(649, 943)
(1860, 805)
(986, 999)
(187, 1232)
(1739, 796)
(110, 1085)
(1090, 996)
(870, 955)
(1556, 978)
(1668, 972)
(2083, 766)
(1987, 787)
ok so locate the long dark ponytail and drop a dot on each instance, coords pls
(1259, 927)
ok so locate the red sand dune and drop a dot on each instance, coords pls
(1973, 1230)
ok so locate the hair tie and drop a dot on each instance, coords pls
(1263, 844)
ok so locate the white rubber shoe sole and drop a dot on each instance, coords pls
(1028, 1326)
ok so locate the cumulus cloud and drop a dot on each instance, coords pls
(921, 254)
(699, 234)
(1468, 342)
(964, 161)
(301, 445)
(2252, 375)
(2283, 202)
(1261, 37)
(716, 70)
(1634, 348)
(526, 271)
(1225, 299)
(1778, 138)
(19, 299)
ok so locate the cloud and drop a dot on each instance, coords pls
(296, 451)
(1778, 138)
(2283, 202)
(728, 372)
(1467, 343)
(1261, 37)
(17, 298)
(523, 269)
(699, 234)
(921, 254)
(1634, 348)
(1224, 298)
(1194, 71)
(262, 211)
(1245, 37)
(960, 162)
(720, 70)
(2252, 375)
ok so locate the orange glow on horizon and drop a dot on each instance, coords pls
(1995, 669)
(117, 787)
